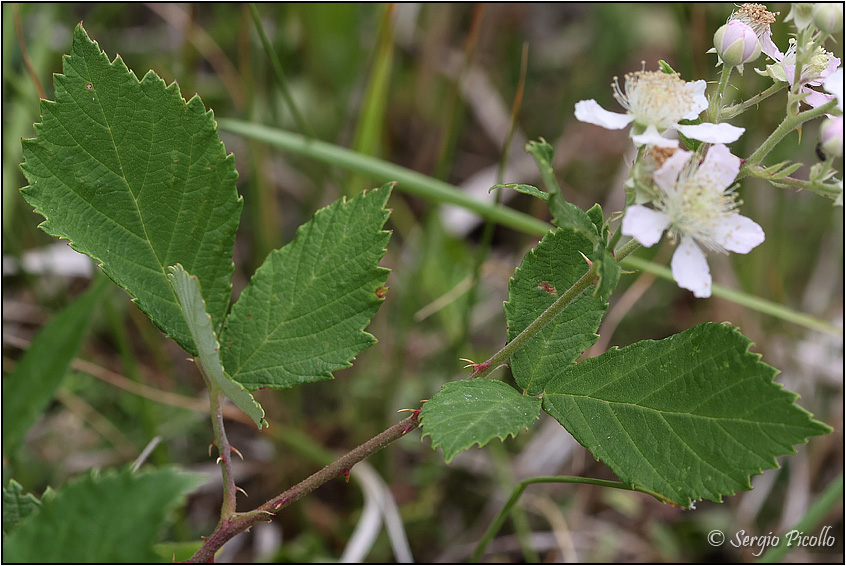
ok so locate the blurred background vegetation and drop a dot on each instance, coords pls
(429, 87)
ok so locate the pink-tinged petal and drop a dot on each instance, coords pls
(651, 136)
(591, 112)
(834, 84)
(644, 224)
(700, 103)
(769, 48)
(719, 169)
(712, 133)
(738, 234)
(690, 269)
(815, 98)
(668, 175)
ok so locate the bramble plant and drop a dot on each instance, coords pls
(137, 178)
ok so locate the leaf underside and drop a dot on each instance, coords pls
(304, 312)
(475, 411)
(690, 417)
(138, 179)
(545, 273)
(190, 298)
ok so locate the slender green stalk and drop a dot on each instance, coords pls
(716, 103)
(748, 301)
(827, 500)
(410, 181)
(502, 356)
(279, 73)
(496, 525)
(790, 123)
(737, 109)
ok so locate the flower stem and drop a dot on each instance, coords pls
(789, 123)
(521, 487)
(737, 109)
(716, 104)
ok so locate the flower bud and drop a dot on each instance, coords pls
(831, 136)
(828, 17)
(736, 44)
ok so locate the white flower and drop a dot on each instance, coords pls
(822, 65)
(696, 209)
(759, 19)
(656, 102)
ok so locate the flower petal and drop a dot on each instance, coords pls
(651, 136)
(719, 169)
(738, 234)
(834, 85)
(644, 224)
(668, 175)
(591, 112)
(815, 98)
(700, 103)
(712, 133)
(690, 269)
(768, 47)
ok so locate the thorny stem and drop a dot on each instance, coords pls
(224, 450)
(789, 123)
(737, 109)
(231, 525)
(716, 103)
(499, 358)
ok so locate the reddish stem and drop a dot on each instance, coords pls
(239, 522)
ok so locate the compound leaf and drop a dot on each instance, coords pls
(304, 312)
(111, 517)
(138, 179)
(545, 273)
(190, 298)
(475, 411)
(689, 417)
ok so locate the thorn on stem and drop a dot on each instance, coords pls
(211, 446)
(238, 452)
(347, 475)
(241, 490)
(477, 367)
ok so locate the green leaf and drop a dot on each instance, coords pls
(190, 297)
(29, 388)
(690, 417)
(565, 214)
(525, 189)
(545, 273)
(17, 505)
(138, 179)
(304, 312)
(100, 518)
(607, 271)
(475, 411)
